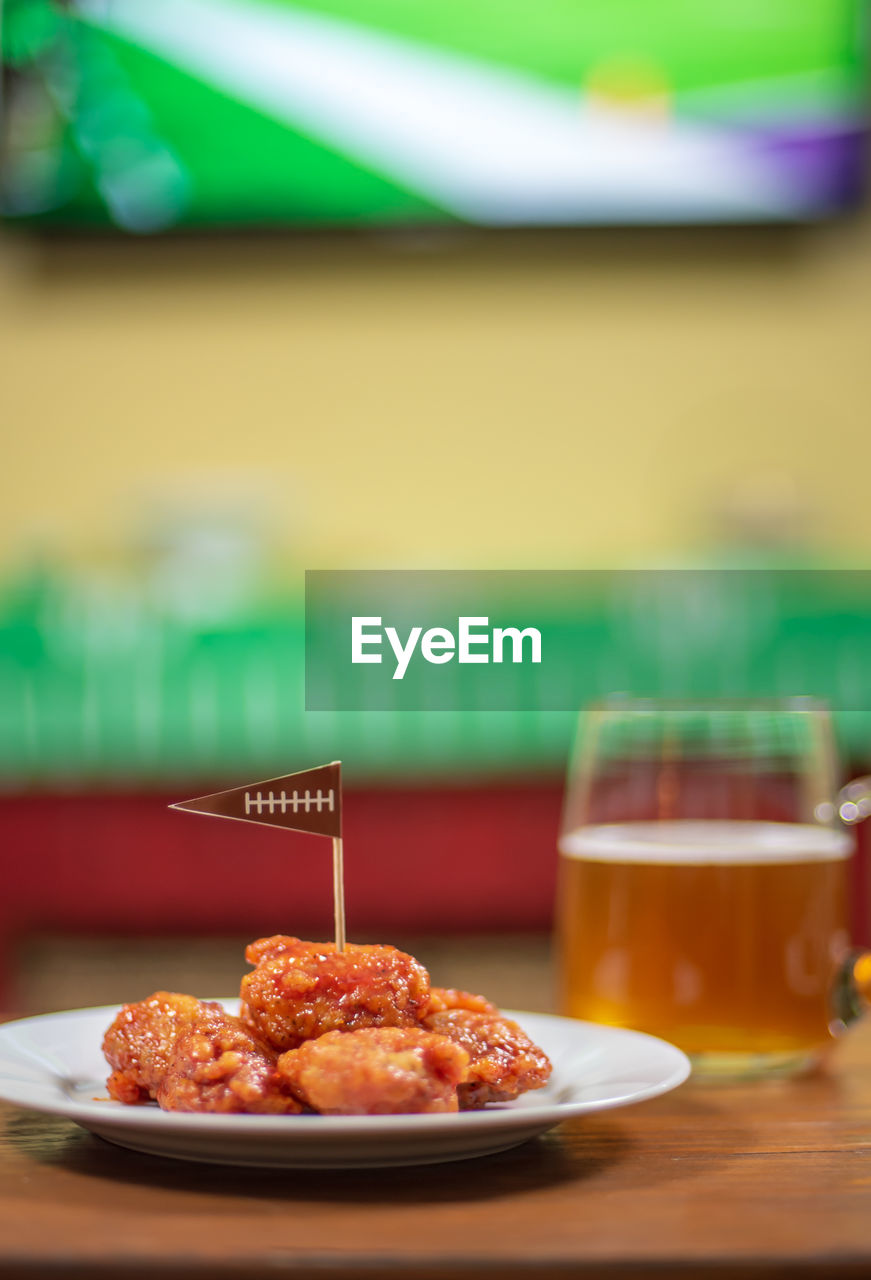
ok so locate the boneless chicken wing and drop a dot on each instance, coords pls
(376, 1071)
(442, 998)
(224, 1067)
(301, 990)
(190, 1055)
(503, 1061)
(139, 1042)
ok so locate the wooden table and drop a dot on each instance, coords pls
(770, 1179)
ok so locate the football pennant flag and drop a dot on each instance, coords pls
(306, 801)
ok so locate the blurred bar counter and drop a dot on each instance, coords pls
(438, 860)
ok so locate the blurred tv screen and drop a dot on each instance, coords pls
(151, 114)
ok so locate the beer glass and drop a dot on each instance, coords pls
(703, 883)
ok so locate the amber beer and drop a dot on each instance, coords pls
(721, 936)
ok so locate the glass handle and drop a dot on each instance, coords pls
(851, 989)
(854, 801)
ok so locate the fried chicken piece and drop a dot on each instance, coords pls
(442, 998)
(300, 990)
(221, 1066)
(190, 1055)
(139, 1042)
(376, 1071)
(503, 1061)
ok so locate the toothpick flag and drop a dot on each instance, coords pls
(307, 801)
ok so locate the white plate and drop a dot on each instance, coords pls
(53, 1063)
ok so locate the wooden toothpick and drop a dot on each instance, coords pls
(339, 893)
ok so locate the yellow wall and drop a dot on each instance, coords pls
(507, 400)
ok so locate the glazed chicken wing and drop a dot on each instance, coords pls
(376, 1071)
(442, 998)
(222, 1066)
(300, 990)
(139, 1042)
(192, 1056)
(503, 1061)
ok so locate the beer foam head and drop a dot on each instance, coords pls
(700, 843)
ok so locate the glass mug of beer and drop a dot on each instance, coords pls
(703, 883)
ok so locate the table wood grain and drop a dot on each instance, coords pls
(770, 1179)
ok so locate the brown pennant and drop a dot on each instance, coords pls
(307, 801)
